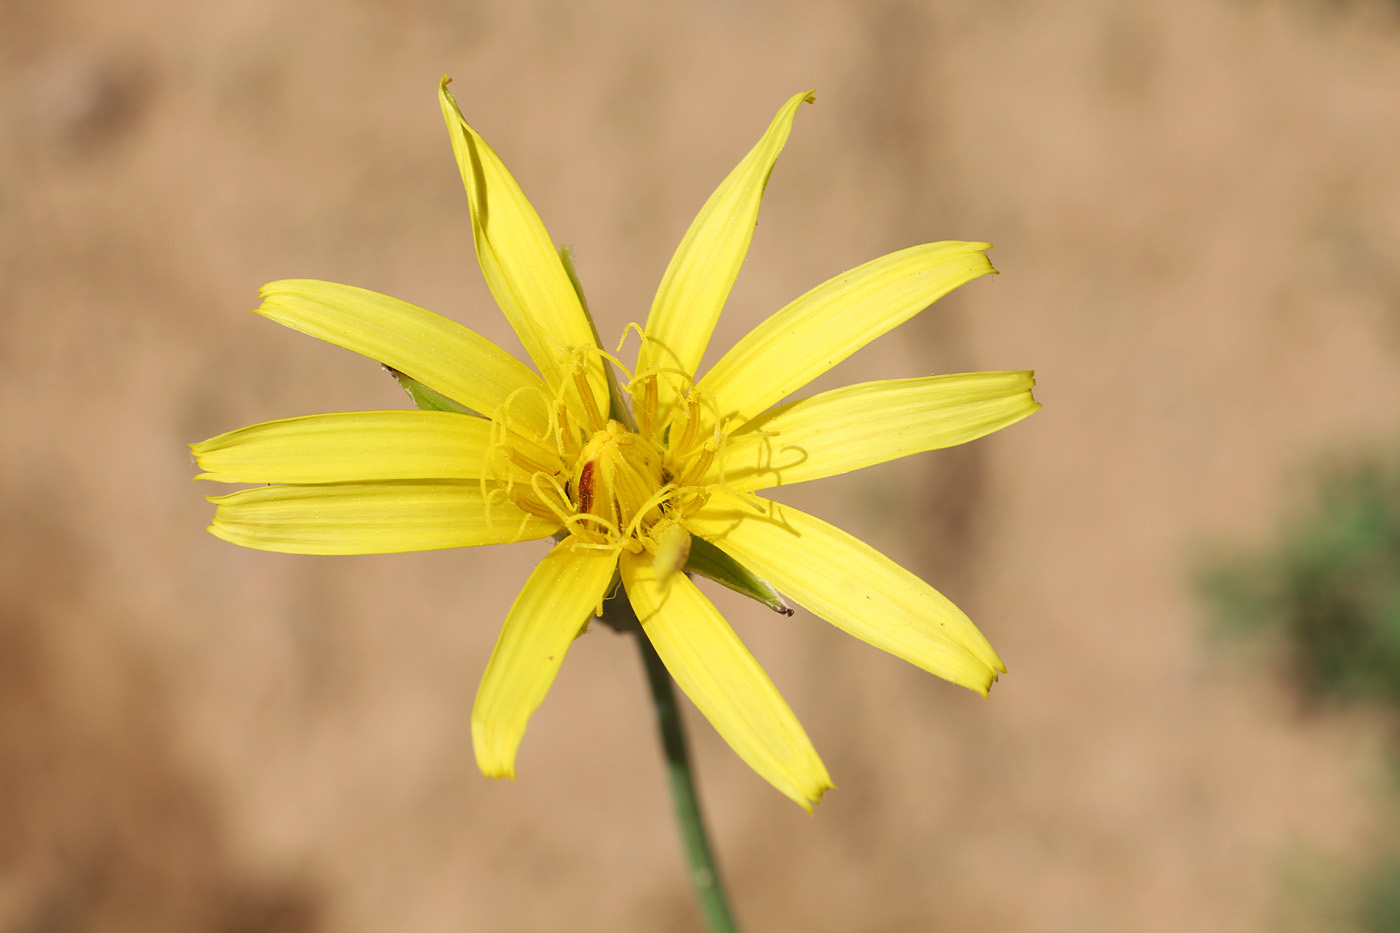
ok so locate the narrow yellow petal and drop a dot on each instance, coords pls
(705, 265)
(357, 446)
(519, 260)
(440, 353)
(861, 425)
(556, 602)
(849, 584)
(723, 680)
(834, 320)
(371, 518)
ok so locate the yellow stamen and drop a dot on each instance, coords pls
(578, 524)
(700, 464)
(537, 508)
(694, 504)
(564, 437)
(585, 392)
(559, 505)
(646, 418)
(525, 463)
(691, 412)
(655, 501)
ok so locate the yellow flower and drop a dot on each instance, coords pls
(635, 491)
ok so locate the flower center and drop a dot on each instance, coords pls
(606, 484)
(617, 484)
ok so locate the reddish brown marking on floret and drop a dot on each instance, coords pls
(585, 487)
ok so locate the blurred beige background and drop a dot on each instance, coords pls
(1195, 210)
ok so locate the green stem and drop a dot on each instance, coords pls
(704, 871)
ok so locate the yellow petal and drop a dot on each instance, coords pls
(371, 518)
(834, 320)
(440, 353)
(704, 267)
(519, 261)
(723, 680)
(849, 584)
(557, 601)
(861, 425)
(349, 447)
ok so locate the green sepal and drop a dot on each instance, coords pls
(712, 563)
(423, 397)
(617, 408)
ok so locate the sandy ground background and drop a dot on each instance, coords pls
(1195, 209)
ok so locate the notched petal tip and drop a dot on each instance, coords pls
(812, 796)
(815, 800)
(807, 797)
(498, 771)
(993, 676)
(982, 248)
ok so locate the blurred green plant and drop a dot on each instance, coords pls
(1378, 908)
(1326, 593)
(1328, 589)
